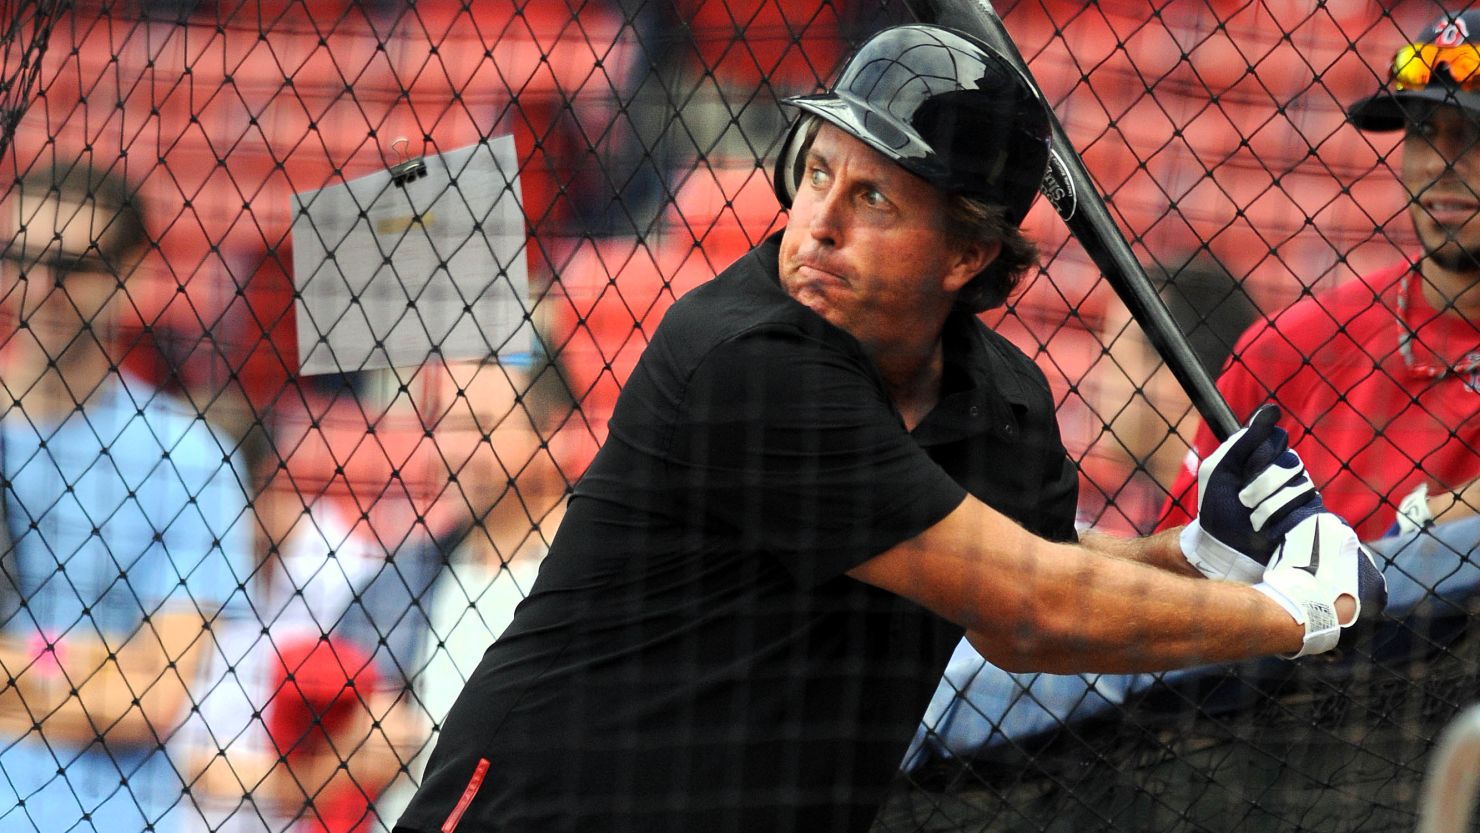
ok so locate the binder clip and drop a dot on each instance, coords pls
(407, 170)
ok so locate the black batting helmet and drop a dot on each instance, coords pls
(944, 106)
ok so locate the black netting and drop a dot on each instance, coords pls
(288, 424)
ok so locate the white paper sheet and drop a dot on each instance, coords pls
(394, 276)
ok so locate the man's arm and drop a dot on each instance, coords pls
(134, 693)
(1030, 604)
(1420, 508)
(1456, 505)
(1161, 550)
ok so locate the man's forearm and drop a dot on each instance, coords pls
(1159, 550)
(1452, 506)
(81, 689)
(1034, 605)
(1097, 614)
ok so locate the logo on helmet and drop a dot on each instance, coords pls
(1453, 34)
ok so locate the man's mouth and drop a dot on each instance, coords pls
(819, 271)
(1449, 210)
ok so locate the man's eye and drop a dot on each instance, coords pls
(816, 176)
(874, 197)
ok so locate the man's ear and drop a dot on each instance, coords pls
(972, 257)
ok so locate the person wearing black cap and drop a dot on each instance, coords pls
(1396, 450)
(824, 470)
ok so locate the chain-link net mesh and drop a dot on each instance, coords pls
(289, 422)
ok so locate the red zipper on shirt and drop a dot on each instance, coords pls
(469, 792)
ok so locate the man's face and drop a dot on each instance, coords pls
(1441, 170)
(865, 246)
(56, 289)
(61, 311)
(495, 400)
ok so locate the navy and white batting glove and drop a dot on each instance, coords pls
(1320, 561)
(1251, 491)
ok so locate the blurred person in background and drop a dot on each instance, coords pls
(1379, 378)
(124, 526)
(289, 742)
(335, 688)
(1149, 421)
(525, 404)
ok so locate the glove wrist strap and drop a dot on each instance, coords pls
(1322, 631)
(1215, 559)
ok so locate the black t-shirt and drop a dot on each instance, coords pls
(693, 656)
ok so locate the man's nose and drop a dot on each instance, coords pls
(826, 221)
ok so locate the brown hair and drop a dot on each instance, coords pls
(117, 229)
(969, 219)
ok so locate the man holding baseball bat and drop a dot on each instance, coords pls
(822, 472)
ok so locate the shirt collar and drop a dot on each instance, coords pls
(980, 393)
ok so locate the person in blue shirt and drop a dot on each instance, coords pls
(124, 531)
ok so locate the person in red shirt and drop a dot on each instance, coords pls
(1380, 377)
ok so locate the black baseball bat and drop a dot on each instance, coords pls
(1078, 201)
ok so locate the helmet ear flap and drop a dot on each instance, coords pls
(788, 172)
